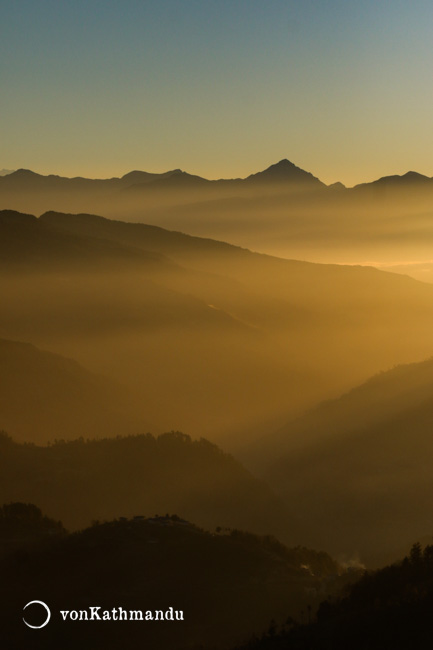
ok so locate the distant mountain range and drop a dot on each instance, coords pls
(137, 191)
(282, 210)
(283, 173)
(44, 396)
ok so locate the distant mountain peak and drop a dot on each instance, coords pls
(337, 186)
(284, 164)
(24, 172)
(22, 179)
(415, 176)
(409, 179)
(284, 171)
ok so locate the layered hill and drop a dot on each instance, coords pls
(389, 609)
(361, 465)
(26, 190)
(208, 337)
(141, 475)
(223, 586)
(44, 396)
(282, 210)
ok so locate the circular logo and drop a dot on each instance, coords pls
(38, 602)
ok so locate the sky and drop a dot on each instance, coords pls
(219, 88)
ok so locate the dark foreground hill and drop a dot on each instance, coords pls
(214, 589)
(80, 482)
(361, 465)
(387, 610)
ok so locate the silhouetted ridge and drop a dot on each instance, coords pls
(408, 180)
(177, 179)
(389, 609)
(285, 171)
(137, 177)
(23, 173)
(337, 186)
(12, 217)
(226, 584)
(281, 172)
(142, 474)
(23, 180)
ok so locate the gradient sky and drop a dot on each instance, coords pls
(220, 88)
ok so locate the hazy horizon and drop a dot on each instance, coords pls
(216, 284)
(223, 176)
(217, 89)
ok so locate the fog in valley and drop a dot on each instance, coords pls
(283, 211)
(224, 351)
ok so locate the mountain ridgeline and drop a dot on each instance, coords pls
(81, 481)
(114, 332)
(282, 210)
(215, 589)
(142, 194)
(203, 336)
